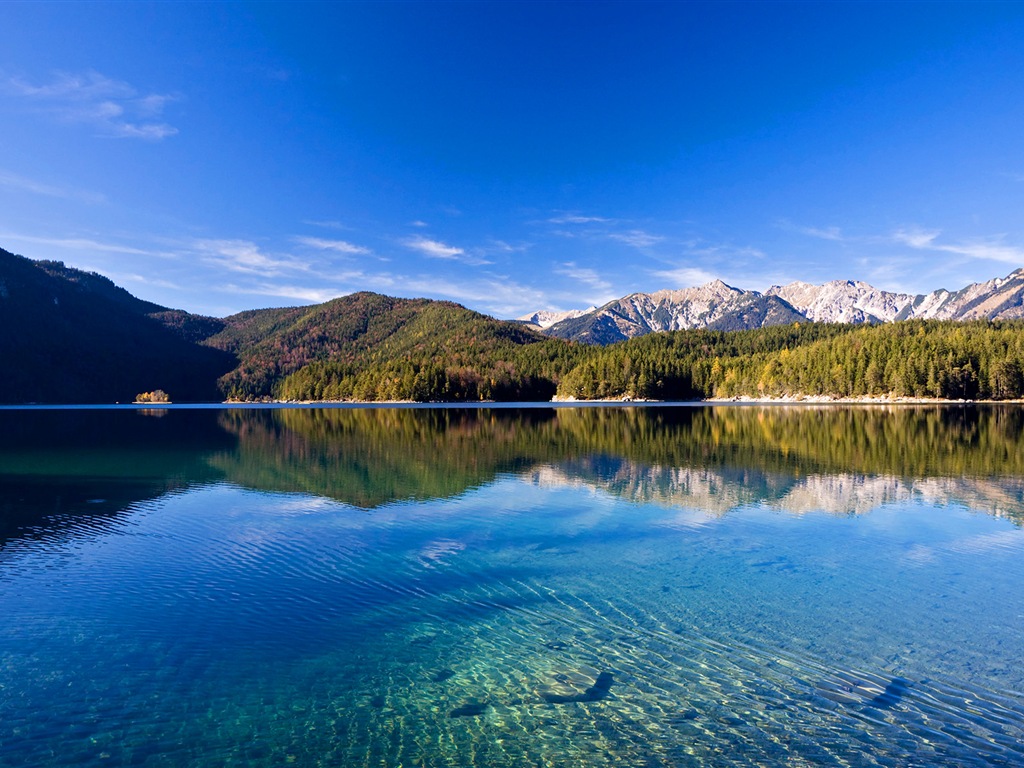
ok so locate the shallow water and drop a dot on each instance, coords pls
(451, 587)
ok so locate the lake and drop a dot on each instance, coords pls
(589, 586)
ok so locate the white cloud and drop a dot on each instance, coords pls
(577, 218)
(585, 275)
(435, 249)
(500, 247)
(915, 237)
(723, 251)
(8, 179)
(637, 238)
(685, 277)
(418, 223)
(822, 233)
(340, 246)
(112, 107)
(497, 296)
(294, 292)
(991, 249)
(245, 256)
(144, 280)
(76, 244)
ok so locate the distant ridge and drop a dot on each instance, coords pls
(721, 307)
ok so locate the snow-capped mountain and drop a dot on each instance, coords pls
(545, 319)
(718, 306)
(843, 301)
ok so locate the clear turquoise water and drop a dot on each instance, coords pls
(511, 589)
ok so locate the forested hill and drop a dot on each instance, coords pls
(70, 336)
(73, 336)
(372, 347)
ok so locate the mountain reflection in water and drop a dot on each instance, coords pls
(843, 460)
(62, 468)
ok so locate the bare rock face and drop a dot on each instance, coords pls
(843, 301)
(998, 299)
(545, 319)
(718, 306)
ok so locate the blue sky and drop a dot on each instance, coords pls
(511, 156)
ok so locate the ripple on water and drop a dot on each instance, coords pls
(212, 631)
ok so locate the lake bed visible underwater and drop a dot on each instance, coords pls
(620, 586)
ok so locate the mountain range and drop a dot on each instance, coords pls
(70, 336)
(718, 306)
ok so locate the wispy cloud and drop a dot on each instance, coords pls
(112, 107)
(14, 181)
(992, 249)
(722, 251)
(246, 257)
(435, 249)
(332, 224)
(144, 280)
(578, 218)
(499, 247)
(77, 244)
(339, 246)
(822, 233)
(685, 277)
(916, 238)
(637, 238)
(498, 296)
(292, 292)
(589, 277)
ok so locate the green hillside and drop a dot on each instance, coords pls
(372, 347)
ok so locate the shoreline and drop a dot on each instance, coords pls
(785, 400)
(737, 400)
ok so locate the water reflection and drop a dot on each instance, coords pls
(72, 470)
(502, 587)
(838, 460)
(63, 466)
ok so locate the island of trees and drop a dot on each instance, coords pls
(156, 396)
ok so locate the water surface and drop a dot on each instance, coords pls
(663, 586)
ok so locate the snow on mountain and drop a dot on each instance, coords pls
(719, 306)
(843, 301)
(545, 318)
(998, 299)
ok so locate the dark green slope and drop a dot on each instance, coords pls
(297, 352)
(68, 336)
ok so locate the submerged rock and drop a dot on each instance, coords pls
(596, 692)
(892, 695)
(853, 690)
(470, 709)
(443, 675)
